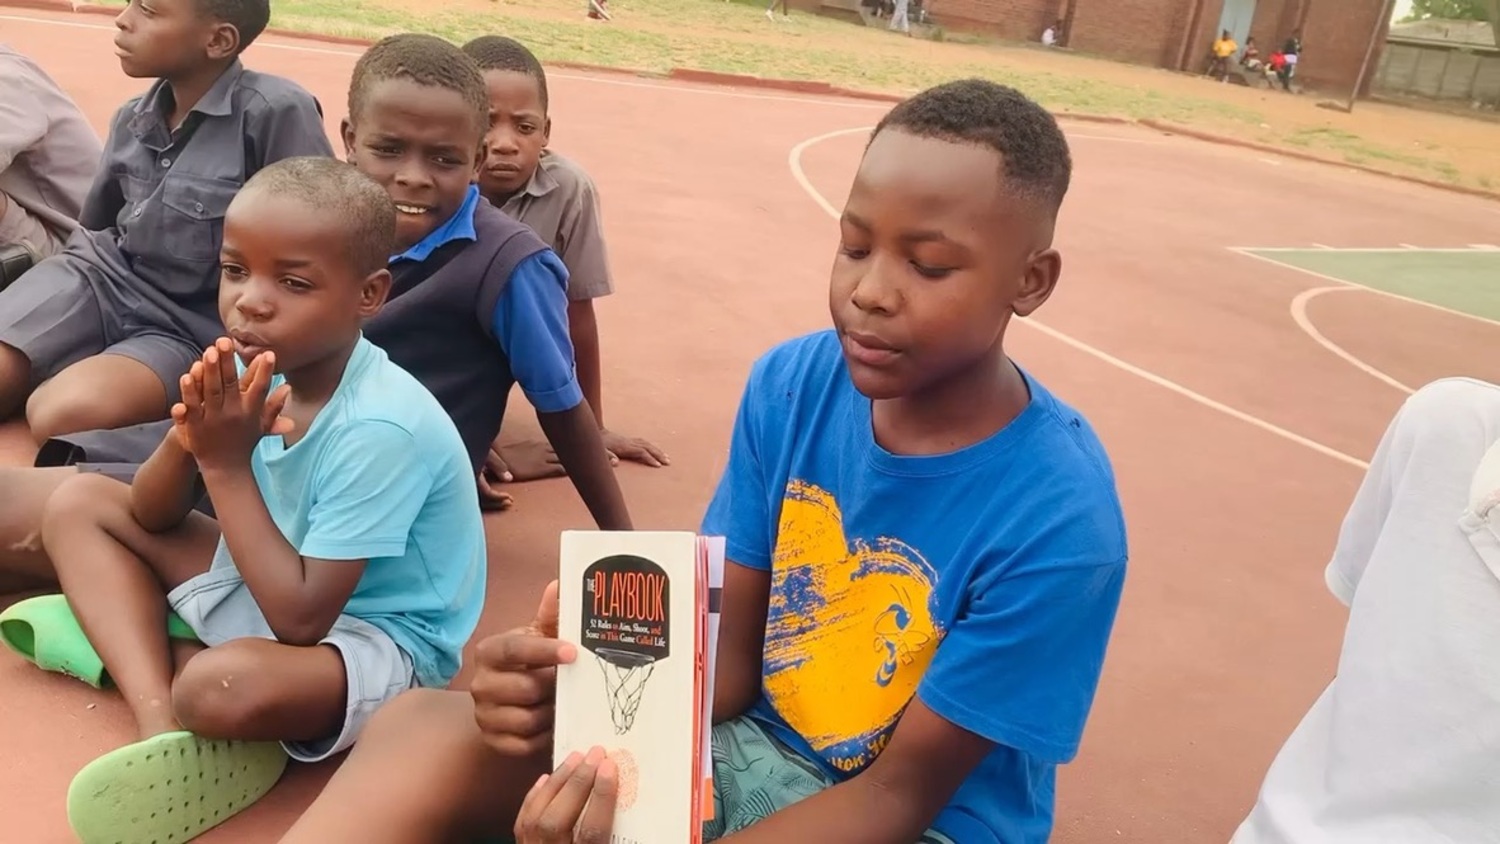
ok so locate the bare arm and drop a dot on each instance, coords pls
(165, 487)
(574, 435)
(742, 635)
(583, 327)
(301, 597)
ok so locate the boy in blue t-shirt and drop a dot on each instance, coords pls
(927, 551)
(347, 563)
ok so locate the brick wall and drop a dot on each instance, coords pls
(1144, 31)
(1017, 20)
(1335, 35)
(1151, 32)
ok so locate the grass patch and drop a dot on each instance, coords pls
(734, 36)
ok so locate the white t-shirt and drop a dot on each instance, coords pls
(1404, 744)
(1049, 36)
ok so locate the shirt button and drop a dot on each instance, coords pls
(198, 206)
(166, 162)
(136, 212)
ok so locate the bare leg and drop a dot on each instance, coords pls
(260, 690)
(96, 393)
(23, 496)
(15, 380)
(420, 775)
(116, 576)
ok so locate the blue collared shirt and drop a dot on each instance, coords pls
(531, 315)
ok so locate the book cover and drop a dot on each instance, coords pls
(635, 603)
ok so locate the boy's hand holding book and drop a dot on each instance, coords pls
(574, 804)
(516, 681)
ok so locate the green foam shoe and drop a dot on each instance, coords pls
(170, 788)
(44, 631)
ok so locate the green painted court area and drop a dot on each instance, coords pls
(1466, 280)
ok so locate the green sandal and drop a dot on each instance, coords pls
(44, 631)
(170, 788)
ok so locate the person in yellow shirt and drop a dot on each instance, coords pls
(1222, 50)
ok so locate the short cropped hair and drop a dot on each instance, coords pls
(496, 52)
(1037, 164)
(339, 191)
(248, 16)
(425, 60)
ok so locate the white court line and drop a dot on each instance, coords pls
(680, 87)
(1404, 248)
(1247, 252)
(1304, 322)
(1408, 246)
(794, 161)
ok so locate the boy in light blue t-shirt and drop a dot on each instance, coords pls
(347, 562)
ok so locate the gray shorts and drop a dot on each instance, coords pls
(219, 607)
(68, 308)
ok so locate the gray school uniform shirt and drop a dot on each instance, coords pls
(561, 205)
(49, 153)
(157, 208)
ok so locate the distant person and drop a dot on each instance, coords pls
(1223, 49)
(48, 157)
(1052, 35)
(899, 20)
(1402, 745)
(1250, 59)
(785, 14)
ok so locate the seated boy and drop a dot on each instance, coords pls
(103, 329)
(557, 199)
(477, 305)
(347, 563)
(895, 481)
(48, 157)
(1402, 746)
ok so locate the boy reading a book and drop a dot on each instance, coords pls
(348, 560)
(927, 552)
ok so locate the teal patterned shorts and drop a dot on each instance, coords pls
(756, 775)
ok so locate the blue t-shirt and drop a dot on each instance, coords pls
(530, 318)
(381, 475)
(984, 581)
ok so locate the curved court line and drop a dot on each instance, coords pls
(1248, 253)
(1299, 316)
(794, 161)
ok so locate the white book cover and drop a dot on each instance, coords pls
(629, 600)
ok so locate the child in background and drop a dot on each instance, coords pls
(48, 157)
(103, 329)
(555, 197)
(897, 476)
(348, 560)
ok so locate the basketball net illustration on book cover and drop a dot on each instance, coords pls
(642, 608)
(626, 626)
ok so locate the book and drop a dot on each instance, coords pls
(642, 607)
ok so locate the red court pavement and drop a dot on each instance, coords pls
(1236, 438)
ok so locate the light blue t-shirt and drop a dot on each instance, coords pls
(381, 475)
(984, 581)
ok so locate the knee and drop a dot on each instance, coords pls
(422, 716)
(53, 413)
(80, 503)
(215, 696)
